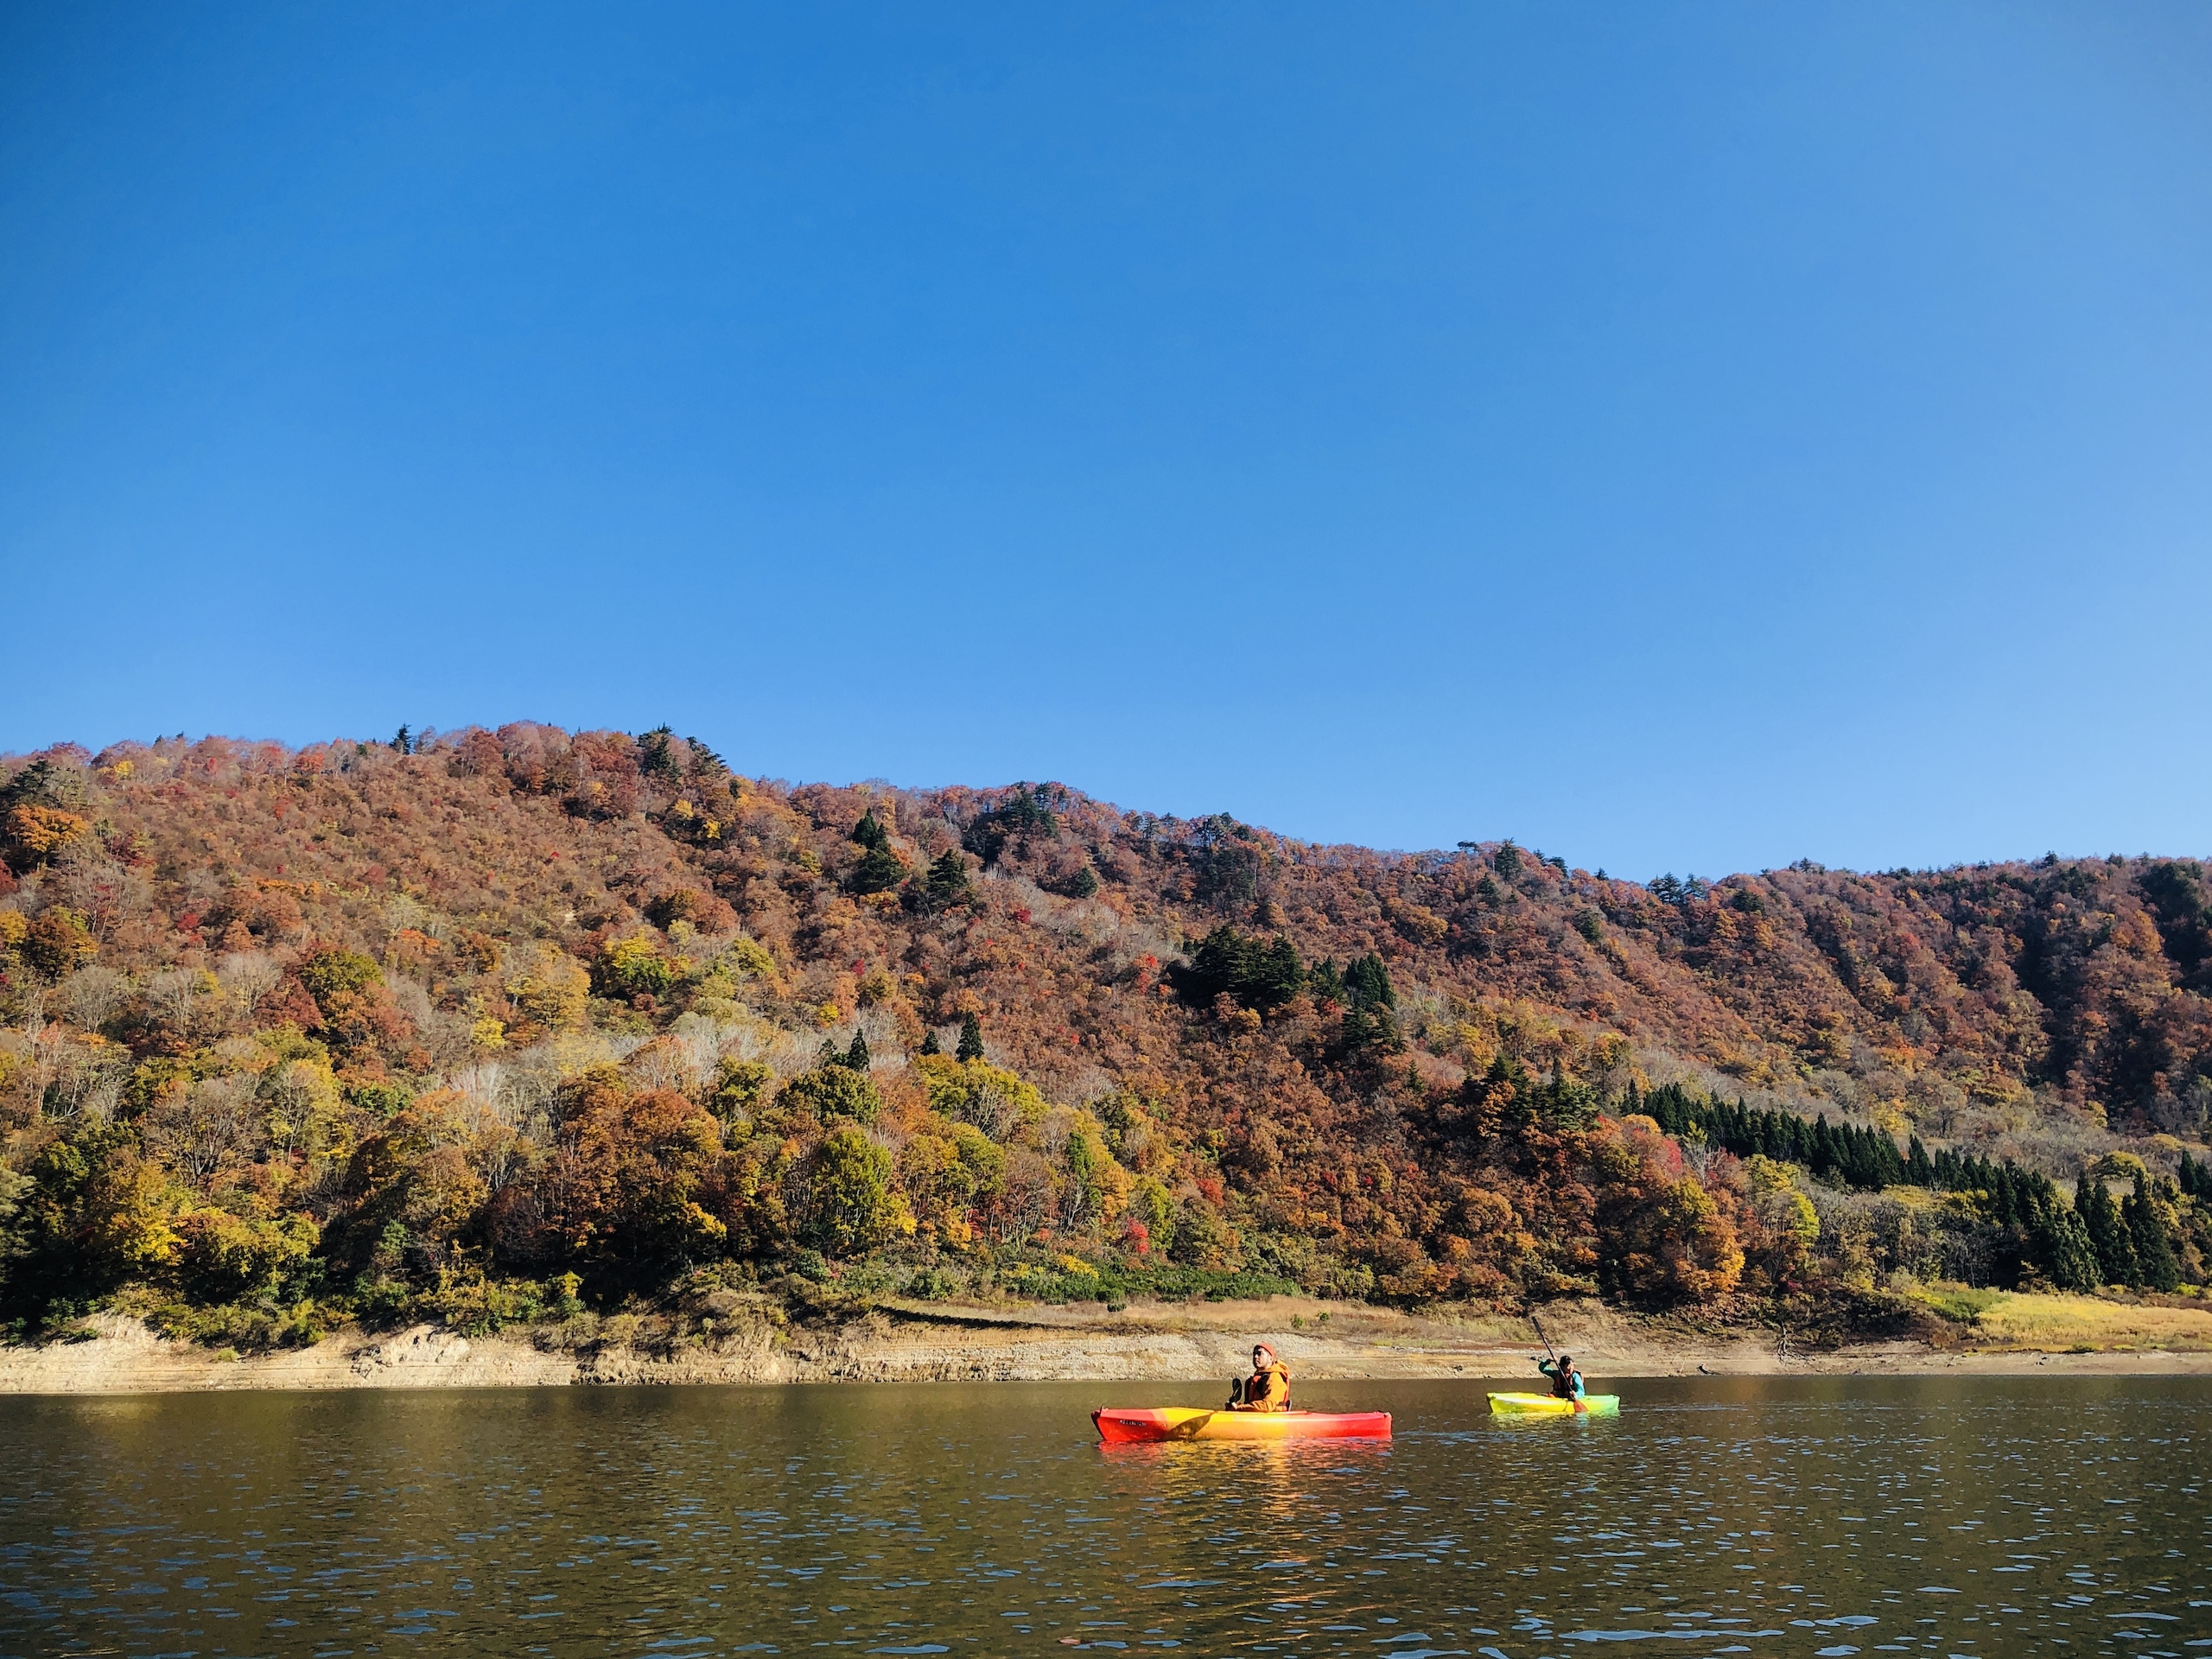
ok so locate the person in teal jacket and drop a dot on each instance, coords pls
(1566, 1382)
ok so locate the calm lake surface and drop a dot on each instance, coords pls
(1717, 1516)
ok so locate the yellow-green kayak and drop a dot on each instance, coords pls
(1550, 1405)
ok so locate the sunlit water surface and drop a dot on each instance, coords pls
(1716, 1516)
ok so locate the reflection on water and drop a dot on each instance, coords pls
(1829, 1517)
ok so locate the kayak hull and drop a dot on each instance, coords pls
(1550, 1405)
(1131, 1425)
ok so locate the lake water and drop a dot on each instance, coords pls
(1717, 1516)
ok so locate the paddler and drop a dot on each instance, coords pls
(1268, 1387)
(1566, 1382)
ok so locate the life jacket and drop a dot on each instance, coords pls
(1268, 1388)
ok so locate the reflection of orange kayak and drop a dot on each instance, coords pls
(1192, 1423)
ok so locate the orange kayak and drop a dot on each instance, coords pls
(1117, 1427)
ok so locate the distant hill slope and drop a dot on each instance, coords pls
(1196, 1021)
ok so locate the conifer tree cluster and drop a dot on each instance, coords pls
(2134, 1241)
(1024, 814)
(2194, 1179)
(1261, 974)
(2096, 1242)
(1862, 1157)
(879, 869)
(1371, 1019)
(2109, 1232)
(940, 888)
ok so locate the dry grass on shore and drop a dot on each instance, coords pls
(2060, 1324)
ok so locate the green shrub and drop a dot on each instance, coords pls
(379, 1099)
(830, 1092)
(635, 967)
(482, 1308)
(244, 1328)
(850, 1207)
(931, 1285)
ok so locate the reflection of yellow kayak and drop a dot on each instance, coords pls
(1550, 1405)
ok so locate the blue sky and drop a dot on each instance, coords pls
(1679, 437)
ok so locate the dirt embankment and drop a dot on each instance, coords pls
(906, 1342)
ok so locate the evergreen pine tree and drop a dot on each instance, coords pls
(1821, 1154)
(948, 879)
(2154, 1246)
(857, 1058)
(1369, 981)
(1358, 1030)
(1327, 983)
(2003, 1202)
(1866, 1167)
(879, 869)
(971, 1038)
(1277, 975)
(658, 760)
(1919, 1169)
(2069, 1260)
(869, 832)
(930, 1044)
(2108, 1233)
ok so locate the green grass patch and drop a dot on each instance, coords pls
(1960, 1306)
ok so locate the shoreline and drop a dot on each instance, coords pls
(930, 1341)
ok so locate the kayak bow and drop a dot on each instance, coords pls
(1118, 1426)
(1550, 1405)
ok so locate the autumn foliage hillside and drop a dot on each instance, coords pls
(523, 1023)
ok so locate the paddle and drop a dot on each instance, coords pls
(1548, 1349)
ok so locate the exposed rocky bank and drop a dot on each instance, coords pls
(936, 1343)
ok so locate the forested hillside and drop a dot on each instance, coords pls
(529, 1025)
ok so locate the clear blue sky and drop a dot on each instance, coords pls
(1679, 437)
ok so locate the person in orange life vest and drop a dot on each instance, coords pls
(1566, 1382)
(1267, 1389)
